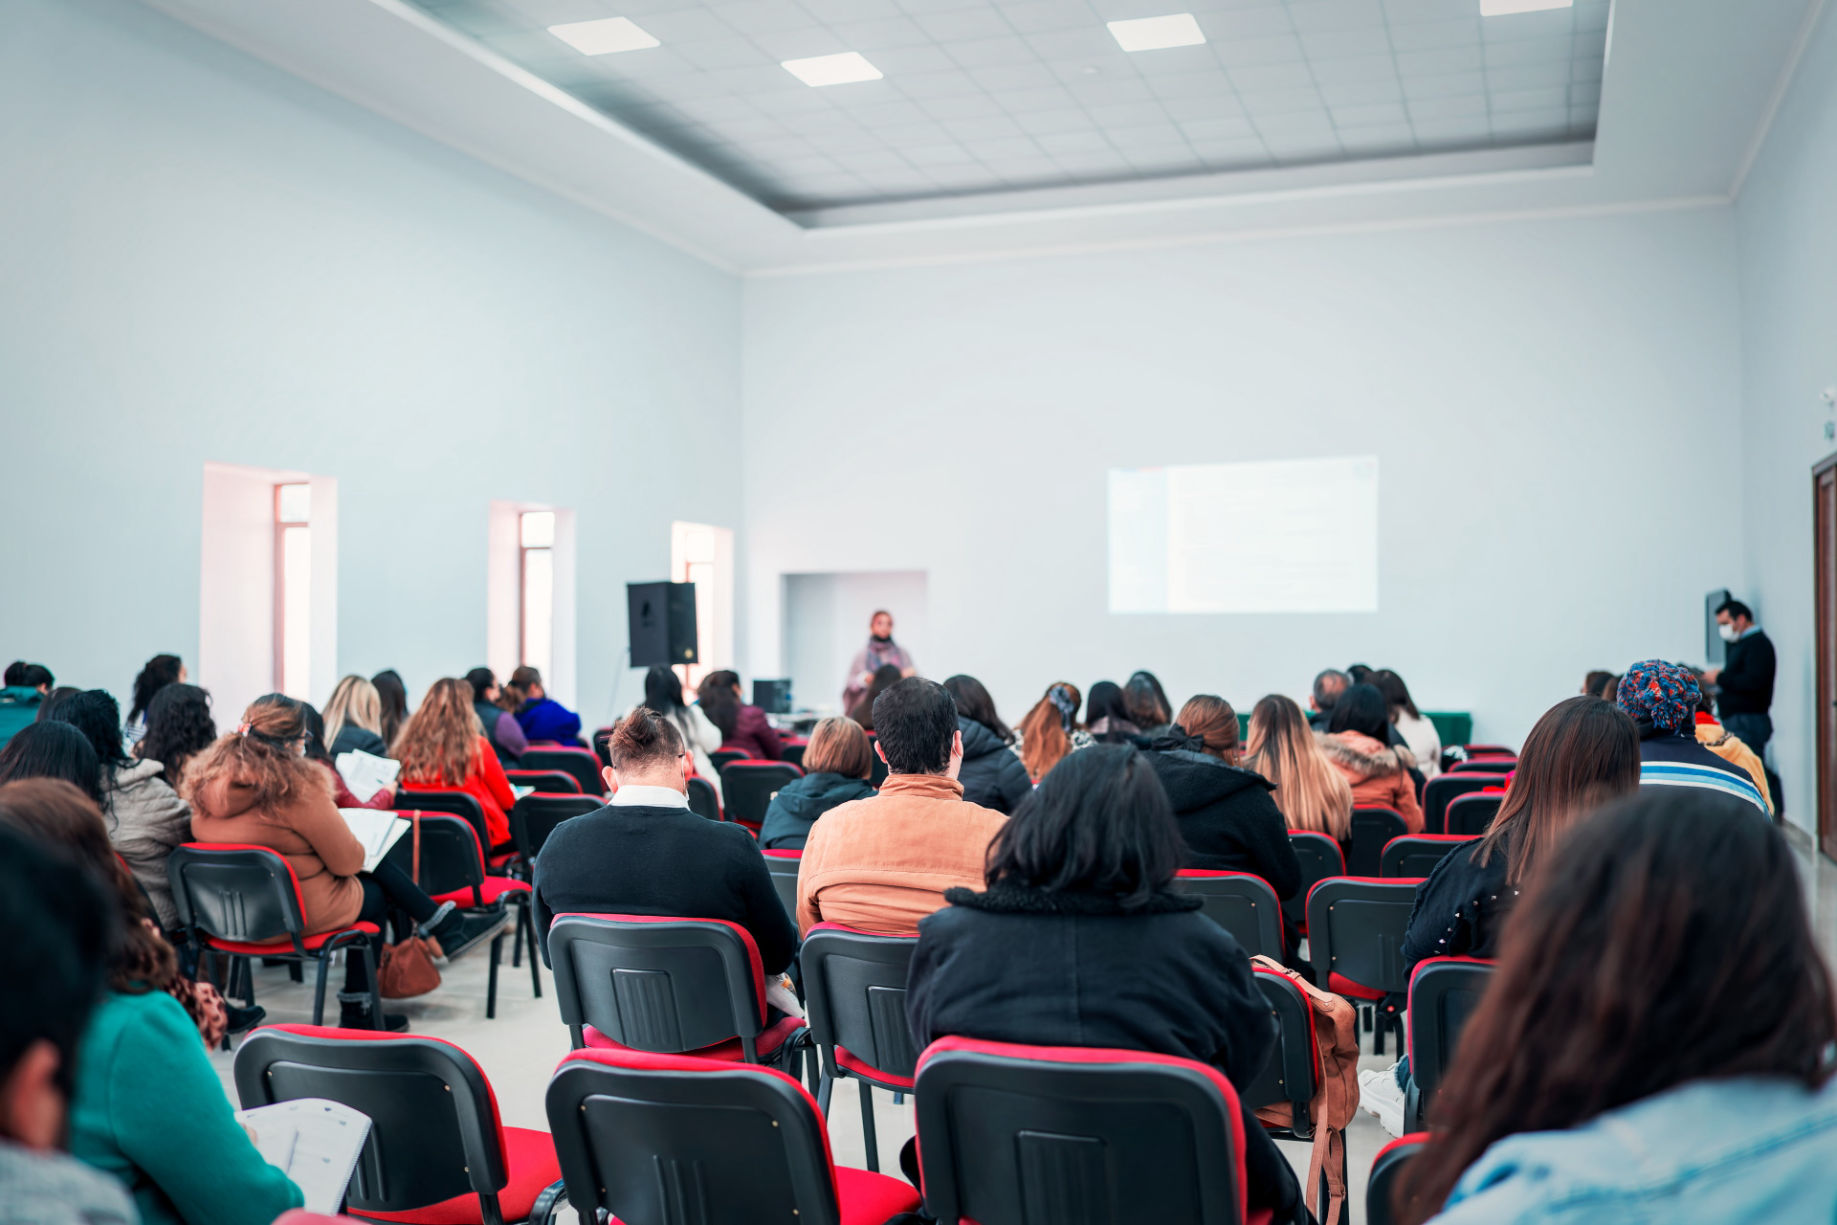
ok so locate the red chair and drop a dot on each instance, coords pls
(244, 901)
(546, 782)
(452, 869)
(1441, 792)
(783, 865)
(855, 990)
(438, 1154)
(1240, 902)
(747, 788)
(1381, 1188)
(1020, 1135)
(1293, 1071)
(1489, 750)
(1472, 814)
(653, 1139)
(1444, 993)
(1415, 855)
(459, 804)
(1355, 939)
(1484, 765)
(722, 758)
(1320, 857)
(578, 763)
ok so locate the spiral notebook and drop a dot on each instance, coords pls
(317, 1142)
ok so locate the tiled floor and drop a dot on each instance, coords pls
(520, 1048)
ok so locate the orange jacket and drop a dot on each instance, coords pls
(1734, 750)
(1379, 775)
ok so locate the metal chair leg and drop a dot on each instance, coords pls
(527, 918)
(491, 989)
(319, 990)
(376, 995)
(825, 1085)
(867, 1127)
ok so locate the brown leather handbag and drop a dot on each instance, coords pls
(407, 967)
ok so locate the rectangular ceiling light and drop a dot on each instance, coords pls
(1503, 8)
(1154, 33)
(843, 69)
(603, 37)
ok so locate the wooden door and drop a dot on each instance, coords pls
(1824, 537)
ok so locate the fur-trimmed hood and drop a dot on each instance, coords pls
(1364, 757)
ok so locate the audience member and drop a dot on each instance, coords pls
(255, 786)
(663, 694)
(502, 731)
(744, 727)
(55, 697)
(1581, 754)
(1746, 680)
(1663, 698)
(316, 753)
(145, 816)
(1079, 940)
(1106, 718)
(1355, 743)
(1728, 746)
(1361, 674)
(883, 863)
(1225, 813)
(1147, 704)
(1599, 684)
(540, 716)
(442, 749)
(884, 678)
(148, 1108)
(393, 694)
(1311, 793)
(1327, 688)
(1417, 733)
(22, 701)
(838, 762)
(880, 651)
(179, 726)
(993, 774)
(57, 923)
(646, 853)
(53, 750)
(160, 671)
(1050, 730)
(1656, 1043)
(354, 719)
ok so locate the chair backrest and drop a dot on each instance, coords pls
(1024, 1135)
(855, 994)
(1484, 765)
(1320, 857)
(657, 1139)
(793, 752)
(451, 857)
(546, 782)
(1294, 1066)
(1241, 903)
(231, 891)
(1372, 830)
(435, 1131)
(784, 865)
(1444, 992)
(1472, 813)
(658, 984)
(722, 758)
(602, 745)
(534, 817)
(572, 760)
(1381, 1187)
(1416, 855)
(458, 803)
(748, 787)
(1489, 750)
(703, 801)
(1355, 932)
(1441, 792)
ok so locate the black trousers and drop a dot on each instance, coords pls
(387, 891)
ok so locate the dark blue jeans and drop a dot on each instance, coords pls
(1752, 730)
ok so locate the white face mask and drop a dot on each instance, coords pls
(1727, 631)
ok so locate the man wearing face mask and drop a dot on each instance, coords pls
(1746, 680)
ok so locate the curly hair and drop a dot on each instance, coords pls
(259, 754)
(179, 727)
(438, 743)
(161, 670)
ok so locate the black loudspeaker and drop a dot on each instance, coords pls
(662, 623)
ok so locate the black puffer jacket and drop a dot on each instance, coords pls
(1227, 817)
(992, 773)
(796, 806)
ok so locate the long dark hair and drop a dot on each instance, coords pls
(95, 713)
(719, 701)
(1396, 693)
(1147, 702)
(1665, 941)
(1105, 702)
(394, 695)
(53, 750)
(975, 704)
(161, 670)
(1099, 822)
(663, 691)
(179, 727)
(1361, 709)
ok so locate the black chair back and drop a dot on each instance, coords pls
(248, 895)
(1381, 1187)
(1072, 1136)
(535, 817)
(1372, 830)
(783, 866)
(1441, 792)
(748, 788)
(1293, 1067)
(1355, 933)
(855, 992)
(1472, 814)
(451, 858)
(1484, 765)
(722, 758)
(703, 802)
(1444, 993)
(1320, 857)
(1242, 904)
(793, 753)
(1416, 855)
(578, 763)
(546, 782)
(458, 803)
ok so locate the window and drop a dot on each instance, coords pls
(536, 590)
(704, 555)
(293, 589)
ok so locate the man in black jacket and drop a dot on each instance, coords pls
(1746, 680)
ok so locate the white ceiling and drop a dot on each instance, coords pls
(1686, 90)
(1002, 95)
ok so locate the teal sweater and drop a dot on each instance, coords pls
(150, 1110)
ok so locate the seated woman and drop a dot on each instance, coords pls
(1106, 719)
(838, 761)
(646, 853)
(1358, 728)
(1690, 1077)
(540, 716)
(393, 695)
(179, 727)
(663, 694)
(255, 786)
(160, 671)
(744, 727)
(1049, 732)
(992, 773)
(441, 749)
(354, 719)
(885, 677)
(315, 752)
(1080, 941)
(147, 1107)
(1146, 703)
(1310, 793)
(502, 731)
(1417, 732)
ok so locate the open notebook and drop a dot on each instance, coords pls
(316, 1141)
(376, 830)
(365, 773)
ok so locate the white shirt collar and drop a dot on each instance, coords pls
(634, 796)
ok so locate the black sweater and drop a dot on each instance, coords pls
(1747, 679)
(992, 774)
(1461, 908)
(1057, 969)
(1228, 818)
(662, 861)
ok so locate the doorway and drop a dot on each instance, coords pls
(1824, 544)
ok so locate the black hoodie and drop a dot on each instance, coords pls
(992, 774)
(796, 806)
(1227, 817)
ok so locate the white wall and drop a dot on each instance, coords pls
(1550, 401)
(826, 621)
(1788, 244)
(202, 258)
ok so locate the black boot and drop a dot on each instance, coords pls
(354, 1013)
(459, 930)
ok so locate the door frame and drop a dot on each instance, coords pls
(1824, 621)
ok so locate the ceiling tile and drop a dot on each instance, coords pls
(1074, 44)
(965, 25)
(1216, 106)
(1440, 62)
(1233, 154)
(1434, 35)
(1545, 24)
(1529, 76)
(1015, 78)
(1103, 91)
(1272, 49)
(937, 85)
(1382, 114)
(761, 16)
(867, 36)
(1027, 101)
(1527, 51)
(1281, 102)
(1330, 15)
(1126, 114)
(925, 156)
(1217, 130)
(1072, 142)
(1463, 106)
(725, 53)
(1044, 123)
(1272, 77)
(990, 52)
(994, 127)
(1211, 84)
(1345, 44)
(1379, 141)
(967, 106)
(898, 62)
(1040, 16)
(1444, 86)
(1361, 93)
(831, 12)
(1145, 136)
(1530, 99)
(1002, 149)
(1363, 68)
(1401, 12)
(1268, 21)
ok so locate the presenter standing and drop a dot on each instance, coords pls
(880, 651)
(1746, 680)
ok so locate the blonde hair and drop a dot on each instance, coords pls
(354, 703)
(439, 741)
(839, 746)
(1310, 792)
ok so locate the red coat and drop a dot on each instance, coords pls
(484, 782)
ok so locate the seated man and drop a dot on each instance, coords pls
(646, 853)
(1663, 700)
(883, 863)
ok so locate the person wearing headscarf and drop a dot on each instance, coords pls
(880, 652)
(1663, 699)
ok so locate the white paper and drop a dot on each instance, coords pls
(315, 1141)
(376, 830)
(521, 791)
(366, 773)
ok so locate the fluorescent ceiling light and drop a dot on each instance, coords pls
(1502, 8)
(603, 37)
(1154, 33)
(843, 69)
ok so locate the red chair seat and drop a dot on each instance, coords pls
(533, 1166)
(869, 1199)
(494, 888)
(283, 948)
(730, 1051)
(1353, 991)
(868, 1071)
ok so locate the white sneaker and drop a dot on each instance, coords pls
(1380, 1097)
